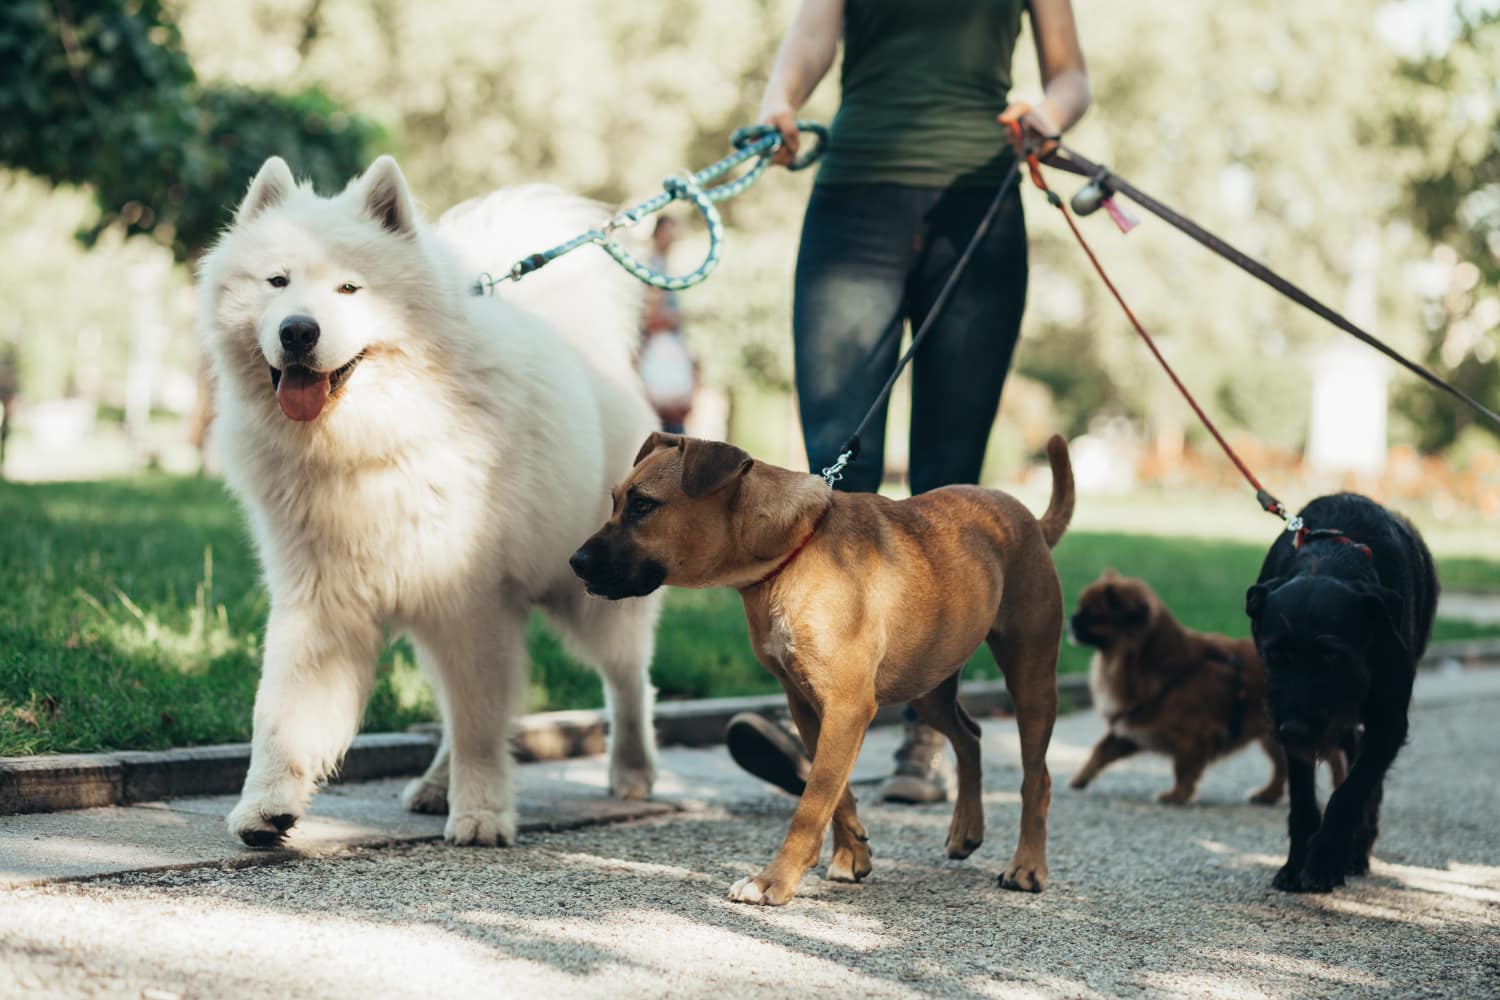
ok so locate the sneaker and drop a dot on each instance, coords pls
(923, 771)
(768, 750)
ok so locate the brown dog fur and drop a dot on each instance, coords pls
(1165, 688)
(869, 602)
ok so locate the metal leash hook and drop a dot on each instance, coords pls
(835, 472)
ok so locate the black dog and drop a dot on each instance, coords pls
(1341, 615)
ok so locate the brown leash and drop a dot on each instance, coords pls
(1262, 495)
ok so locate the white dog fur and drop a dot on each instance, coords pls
(440, 490)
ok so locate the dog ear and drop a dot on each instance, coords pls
(1382, 609)
(1255, 597)
(272, 183)
(655, 442)
(709, 466)
(1110, 573)
(386, 197)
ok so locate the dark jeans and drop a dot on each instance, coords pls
(874, 256)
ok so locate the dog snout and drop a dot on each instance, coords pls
(299, 335)
(584, 559)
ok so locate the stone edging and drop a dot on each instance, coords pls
(55, 782)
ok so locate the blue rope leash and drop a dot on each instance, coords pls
(753, 142)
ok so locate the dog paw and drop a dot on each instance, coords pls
(850, 863)
(964, 836)
(257, 828)
(631, 783)
(423, 796)
(1357, 864)
(481, 828)
(762, 890)
(1266, 796)
(1023, 877)
(1175, 797)
(1079, 782)
(1308, 879)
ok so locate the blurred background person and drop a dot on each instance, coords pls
(665, 363)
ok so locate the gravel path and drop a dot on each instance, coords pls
(1144, 900)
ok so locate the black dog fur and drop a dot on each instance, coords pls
(1340, 624)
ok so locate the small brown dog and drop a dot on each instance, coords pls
(855, 601)
(1165, 688)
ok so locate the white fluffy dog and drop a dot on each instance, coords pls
(415, 456)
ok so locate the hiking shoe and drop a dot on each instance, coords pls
(768, 750)
(923, 772)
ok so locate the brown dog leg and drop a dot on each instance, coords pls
(841, 733)
(940, 709)
(1030, 668)
(851, 847)
(1271, 793)
(1109, 749)
(1187, 769)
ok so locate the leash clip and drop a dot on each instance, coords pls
(835, 472)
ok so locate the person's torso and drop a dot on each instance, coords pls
(922, 83)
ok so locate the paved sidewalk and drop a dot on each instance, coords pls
(1144, 899)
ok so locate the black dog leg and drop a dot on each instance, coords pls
(1302, 822)
(1352, 808)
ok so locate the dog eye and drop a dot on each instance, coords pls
(643, 505)
(348, 288)
(278, 281)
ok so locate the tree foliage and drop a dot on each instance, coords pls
(102, 93)
(1447, 123)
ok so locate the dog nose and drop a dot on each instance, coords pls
(299, 334)
(580, 561)
(1294, 731)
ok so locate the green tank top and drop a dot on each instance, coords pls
(922, 83)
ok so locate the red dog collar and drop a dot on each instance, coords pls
(1305, 534)
(776, 570)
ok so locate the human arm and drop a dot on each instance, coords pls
(802, 60)
(1065, 79)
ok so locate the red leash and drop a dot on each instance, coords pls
(1264, 498)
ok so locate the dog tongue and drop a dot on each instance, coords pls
(302, 392)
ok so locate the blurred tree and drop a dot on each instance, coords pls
(1448, 124)
(102, 93)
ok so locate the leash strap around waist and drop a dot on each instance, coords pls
(1104, 182)
(1267, 502)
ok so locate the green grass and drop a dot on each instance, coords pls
(130, 616)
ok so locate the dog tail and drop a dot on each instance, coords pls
(1060, 508)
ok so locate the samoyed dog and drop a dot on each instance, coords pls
(417, 457)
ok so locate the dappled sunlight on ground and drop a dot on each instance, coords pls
(1142, 898)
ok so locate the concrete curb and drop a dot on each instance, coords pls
(58, 782)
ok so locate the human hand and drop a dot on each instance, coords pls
(784, 120)
(1036, 126)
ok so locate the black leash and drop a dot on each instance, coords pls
(849, 450)
(1103, 182)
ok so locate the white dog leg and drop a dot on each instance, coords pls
(618, 639)
(481, 658)
(315, 681)
(429, 793)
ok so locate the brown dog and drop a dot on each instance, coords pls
(856, 601)
(1193, 696)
